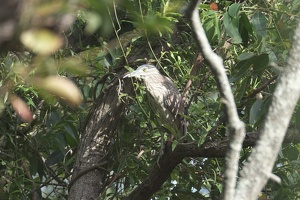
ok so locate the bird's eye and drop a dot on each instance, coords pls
(144, 69)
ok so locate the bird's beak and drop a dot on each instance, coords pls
(132, 74)
(127, 75)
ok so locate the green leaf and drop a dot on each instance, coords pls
(54, 158)
(245, 29)
(217, 32)
(174, 144)
(259, 109)
(259, 23)
(36, 164)
(241, 92)
(140, 164)
(243, 66)
(232, 28)
(60, 142)
(244, 21)
(234, 9)
(260, 63)
(170, 129)
(245, 56)
(255, 111)
(203, 6)
(71, 130)
(297, 120)
(291, 153)
(211, 25)
(245, 36)
(33, 164)
(71, 136)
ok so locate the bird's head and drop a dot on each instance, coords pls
(143, 71)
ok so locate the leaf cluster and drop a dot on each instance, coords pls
(37, 157)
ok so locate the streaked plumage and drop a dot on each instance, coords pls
(164, 96)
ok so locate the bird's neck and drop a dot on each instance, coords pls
(155, 86)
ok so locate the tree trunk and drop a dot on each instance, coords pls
(89, 170)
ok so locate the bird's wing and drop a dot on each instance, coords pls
(173, 100)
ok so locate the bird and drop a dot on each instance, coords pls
(164, 97)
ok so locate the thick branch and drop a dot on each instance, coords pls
(254, 176)
(160, 173)
(235, 127)
(170, 160)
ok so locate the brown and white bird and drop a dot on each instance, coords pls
(164, 97)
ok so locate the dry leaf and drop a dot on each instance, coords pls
(63, 88)
(41, 41)
(21, 108)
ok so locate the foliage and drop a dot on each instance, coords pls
(253, 38)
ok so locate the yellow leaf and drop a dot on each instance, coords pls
(61, 87)
(41, 41)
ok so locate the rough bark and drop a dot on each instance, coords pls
(89, 169)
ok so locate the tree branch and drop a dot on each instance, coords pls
(161, 172)
(254, 176)
(258, 90)
(235, 127)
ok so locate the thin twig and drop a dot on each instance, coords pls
(258, 90)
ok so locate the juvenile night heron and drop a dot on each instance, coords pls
(164, 97)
